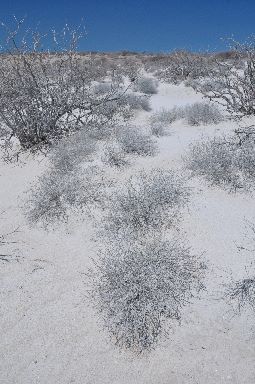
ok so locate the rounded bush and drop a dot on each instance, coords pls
(147, 200)
(133, 141)
(137, 288)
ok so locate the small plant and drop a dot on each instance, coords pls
(158, 130)
(56, 193)
(114, 156)
(202, 113)
(137, 288)
(243, 293)
(133, 141)
(166, 116)
(136, 102)
(194, 114)
(148, 200)
(224, 162)
(146, 85)
(71, 151)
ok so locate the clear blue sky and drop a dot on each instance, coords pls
(143, 25)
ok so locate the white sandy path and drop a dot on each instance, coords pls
(50, 335)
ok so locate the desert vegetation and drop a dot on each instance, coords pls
(139, 287)
(147, 201)
(225, 161)
(91, 135)
(194, 114)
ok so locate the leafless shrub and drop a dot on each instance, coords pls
(71, 151)
(133, 141)
(45, 96)
(224, 162)
(202, 113)
(114, 156)
(136, 102)
(147, 200)
(159, 129)
(56, 193)
(166, 116)
(194, 114)
(180, 66)
(137, 288)
(146, 85)
(231, 83)
(242, 293)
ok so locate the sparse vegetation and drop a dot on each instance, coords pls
(231, 82)
(225, 162)
(166, 116)
(148, 200)
(134, 141)
(44, 97)
(201, 113)
(114, 156)
(56, 193)
(242, 292)
(194, 114)
(136, 289)
(146, 85)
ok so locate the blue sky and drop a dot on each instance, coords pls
(143, 25)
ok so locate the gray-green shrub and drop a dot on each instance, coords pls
(137, 288)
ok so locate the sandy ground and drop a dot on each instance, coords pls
(49, 334)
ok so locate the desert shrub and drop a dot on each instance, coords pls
(114, 156)
(71, 151)
(160, 120)
(159, 129)
(242, 292)
(146, 85)
(99, 130)
(56, 193)
(194, 114)
(133, 141)
(166, 116)
(138, 287)
(46, 96)
(147, 200)
(179, 66)
(136, 102)
(231, 82)
(224, 162)
(202, 113)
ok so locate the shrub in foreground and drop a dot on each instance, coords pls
(137, 288)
